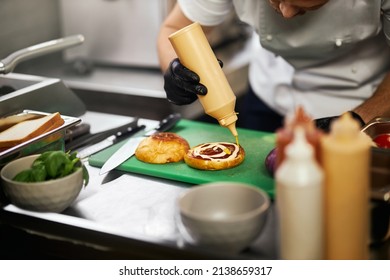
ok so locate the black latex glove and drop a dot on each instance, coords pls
(181, 84)
(324, 123)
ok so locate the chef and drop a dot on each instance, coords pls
(328, 56)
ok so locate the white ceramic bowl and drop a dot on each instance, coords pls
(49, 196)
(226, 216)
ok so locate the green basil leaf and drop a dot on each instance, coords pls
(38, 173)
(23, 176)
(85, 175)
(67, 169)
(44, 156)
(52, 165)
(55, 162)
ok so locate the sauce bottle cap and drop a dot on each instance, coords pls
(345, 127)
(299, 148)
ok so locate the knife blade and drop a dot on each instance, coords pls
(128, 149)
(109, 141)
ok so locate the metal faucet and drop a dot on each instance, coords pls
(9, 63)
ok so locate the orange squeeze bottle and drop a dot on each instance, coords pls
(346, 164)
(195, 53)
(284, 135)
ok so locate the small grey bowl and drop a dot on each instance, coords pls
(226, 216)
(48, 196)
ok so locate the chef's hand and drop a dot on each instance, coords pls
(324, 123)
(181, 84)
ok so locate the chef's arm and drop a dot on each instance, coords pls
(375, 106)
(378, 104)
(174, 21)
(182, 86)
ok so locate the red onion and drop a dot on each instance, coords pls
(270, 162)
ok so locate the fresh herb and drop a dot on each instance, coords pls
(52, 165)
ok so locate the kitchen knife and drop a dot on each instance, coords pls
(128, 149)
(89, 139)
(109, 141)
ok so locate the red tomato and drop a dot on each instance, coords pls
(382, 140)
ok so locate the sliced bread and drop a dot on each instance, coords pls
(9, 121)
(29, 129)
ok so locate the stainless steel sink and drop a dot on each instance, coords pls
(38, 93)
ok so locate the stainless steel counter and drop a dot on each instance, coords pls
(122, 215)
(125, 216)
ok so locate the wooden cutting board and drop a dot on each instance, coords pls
(256, 144)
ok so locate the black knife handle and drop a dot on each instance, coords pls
(166, 124)
(90, 139)
(120, 136)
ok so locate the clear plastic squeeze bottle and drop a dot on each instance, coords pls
(299, 200)
(195, 53)
(346, 163)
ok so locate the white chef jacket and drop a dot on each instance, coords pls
(338, 53)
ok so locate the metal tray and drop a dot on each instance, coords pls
(51, 140)
(380, 166)
(377, 126)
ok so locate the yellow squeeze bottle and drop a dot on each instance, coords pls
(195, 53)
(346, 163)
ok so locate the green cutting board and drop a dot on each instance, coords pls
(256, 144)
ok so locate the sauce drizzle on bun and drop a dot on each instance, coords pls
(215, 156)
